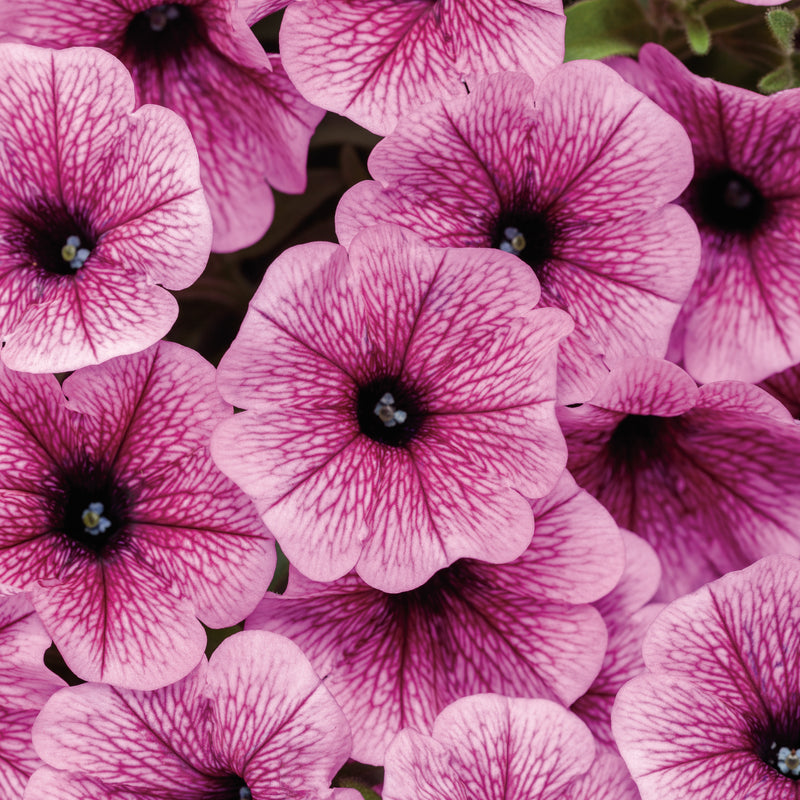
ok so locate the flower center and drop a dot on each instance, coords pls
(162, 15)
(160, 33)
(52, 238)
(388, 412)
(730, 202)
(92, 509)
(527, 234)
(73, 253)
(784, 759)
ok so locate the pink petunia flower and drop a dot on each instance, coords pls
(574, 176)
(742, 317)
(376, 60)
(710, 477)
(116, 520)
(25, 686)
(521, 629)
(199, 58)
(627, 615)
(100, 207)
(717, 715)
(253, 722)
(495, 748)
(400, 403)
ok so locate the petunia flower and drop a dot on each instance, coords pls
(400, 402)
(376, 60)
(717, 715)
(25, 686)
(200, 59)
(573, 175)
(115, 519)
(709, 476)
(521, 629)
(495, 747)
(255, 722)
(742, 317)
(627, 615)
(100, 207)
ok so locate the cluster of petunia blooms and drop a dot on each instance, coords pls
(526, 434)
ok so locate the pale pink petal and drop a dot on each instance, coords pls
(25, 682)
(312, 485)
(426, 512)
(395, 660)
(638, 583)
(497, 747)
(332, 54)
(601, 175)
(500, 36)
(679, 741)
(118, 621)
(142, 740)
(246, 146)
(102, 315)
(606, 779)
(577, 554)
(273, 721)
(17, 756)
(145, 412)
(55, 784)
(747, 627)
(196, 526)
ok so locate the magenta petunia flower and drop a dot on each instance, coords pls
(116, 520)
(253, 722)
(25, 685)
(400, 402)
(100, 207)
(627, 615)
(742, 318)
(376, 60)
(199, 58)
(710, 477)
(521, 629)
(495, 747)
(717, 715)
(573, 175)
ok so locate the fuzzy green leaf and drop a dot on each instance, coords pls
(600, 28)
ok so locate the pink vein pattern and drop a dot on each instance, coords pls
(376, 60)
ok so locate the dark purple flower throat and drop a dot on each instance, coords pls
(388, 411)
(728, 201)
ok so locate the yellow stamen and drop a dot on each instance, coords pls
(68, 252)
(91, 519)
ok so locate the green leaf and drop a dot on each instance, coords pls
(697, 33)
(783, 24)
(777, 80)
(600, 28)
